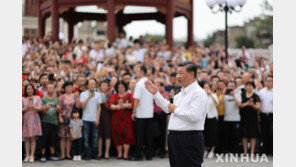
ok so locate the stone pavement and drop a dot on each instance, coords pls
(156, 162)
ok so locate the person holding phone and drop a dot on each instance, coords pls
(31, 127)
(250, 106)
(50, 111)
(91, 105)
(231, 119)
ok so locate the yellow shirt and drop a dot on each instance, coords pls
(220, 107)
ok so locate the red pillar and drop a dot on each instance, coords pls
(41, 21)
(55, 19)
(111, 20)
(70, 30)
(190, 36)
(169, 22)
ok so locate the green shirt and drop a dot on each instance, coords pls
(51, 115)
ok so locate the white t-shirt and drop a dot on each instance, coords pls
(212, 111)
(139, 54)
(96, 55)
(78, 52)
(145, 108)
(91, 109)
(231, 109)
(266, 98)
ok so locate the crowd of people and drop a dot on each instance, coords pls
(87, 99)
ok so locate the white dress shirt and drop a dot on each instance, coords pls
(145, 108)
(266, 97)
(190, 113)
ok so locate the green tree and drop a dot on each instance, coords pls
(244, 40)
(264, 26)
(209, 41)
(155, 37)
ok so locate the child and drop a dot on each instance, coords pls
(76, 135)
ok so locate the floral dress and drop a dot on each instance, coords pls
(31, 120)
(121, 122)
(67, 106)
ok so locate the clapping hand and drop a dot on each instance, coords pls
(152, 88)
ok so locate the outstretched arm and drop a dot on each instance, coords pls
(159, 99)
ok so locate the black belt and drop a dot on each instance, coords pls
(192, 132)
(267, 113)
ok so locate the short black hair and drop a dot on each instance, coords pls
(237, 78)
(173, 74)
(144, 69)
(86, 83)
(251, 83)
(126, 74)
(105, 81)
(190, 66)
(231, 82)
(215, 76)
(203, 83)
(67, 83)
(26, 87)
(43, 74)
(120, 82)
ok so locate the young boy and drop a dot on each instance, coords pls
(76, 135)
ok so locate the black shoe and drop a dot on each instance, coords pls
(136, 159)
(53, 158)
(98, 158)
(86, 158)
(149, 158)
(119, 157)
(68, 158)
(161, 155)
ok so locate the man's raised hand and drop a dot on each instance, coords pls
(151, 87)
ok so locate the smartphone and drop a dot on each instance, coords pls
(92, 91)
(36, 63)
(228, 91)
(31, 101)
(120, 102)
(103, 96)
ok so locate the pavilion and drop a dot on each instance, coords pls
(115, 17)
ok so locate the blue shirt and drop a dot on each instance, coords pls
(91, 109)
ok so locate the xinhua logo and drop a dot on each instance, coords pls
(241, 158)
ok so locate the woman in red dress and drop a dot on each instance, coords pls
(121, 104)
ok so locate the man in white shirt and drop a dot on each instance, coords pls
(143, 115)
(266, 114)
(78, 50)
(97, 53)
(188, 113)
(138, 52)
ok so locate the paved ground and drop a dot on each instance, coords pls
(156, 162)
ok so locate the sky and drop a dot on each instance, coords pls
(205, 22)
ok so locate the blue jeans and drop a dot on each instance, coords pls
(90, 135)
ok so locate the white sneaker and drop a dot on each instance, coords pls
(27, 159)
(211, 155)
(31, 160)
(205, 154)
(78, 158)
(74, 158)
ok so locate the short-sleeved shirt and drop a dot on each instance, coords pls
(91, 109)
(231, 109)
(51, 115)
(145, 108)
(75, 125)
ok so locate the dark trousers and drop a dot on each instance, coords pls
(159, 141)
(90, 137)
(76, 145)
(220, 142)
(232, 136)
(186, 148)
(49, 135)
(144, 131)
(267, 132)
